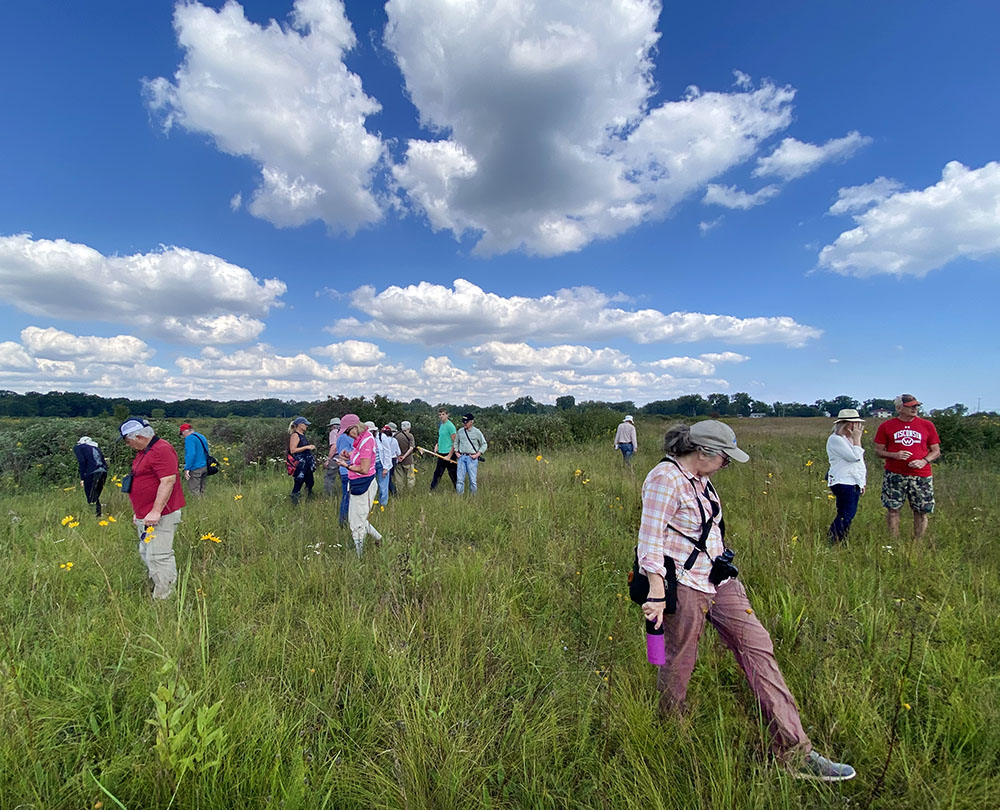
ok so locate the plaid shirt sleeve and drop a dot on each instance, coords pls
(659, 504)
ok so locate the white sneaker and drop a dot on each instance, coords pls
(823, 770)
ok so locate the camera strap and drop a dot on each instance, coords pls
(701, 543)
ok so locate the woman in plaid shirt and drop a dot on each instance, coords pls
(681, 537)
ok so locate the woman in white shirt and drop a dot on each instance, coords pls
(847, 476)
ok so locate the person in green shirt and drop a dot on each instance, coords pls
(445, 447)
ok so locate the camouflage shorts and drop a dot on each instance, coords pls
(918, 490)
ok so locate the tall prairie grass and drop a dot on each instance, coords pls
(485, 655)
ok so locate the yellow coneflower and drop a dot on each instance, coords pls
(211, 537)
(112, 519)
(102, 523)
(73, 524)
(67, 519)
(237, 497)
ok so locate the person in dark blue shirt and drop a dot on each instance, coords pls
(93, 470)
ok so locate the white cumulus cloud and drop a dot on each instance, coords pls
(545, 136)
(436, 315)
(352, 352)
(173, 293)
(703, 365)
(732, 197)
(910, 233)
(50, 359)
(521, 356)
(793, 158)
(858, 198)
(282, 96)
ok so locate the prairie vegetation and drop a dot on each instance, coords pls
(486, 654)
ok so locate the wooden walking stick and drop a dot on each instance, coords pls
(432, 453)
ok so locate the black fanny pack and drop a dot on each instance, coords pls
(359, 486)
(638, 584)
(127, 484)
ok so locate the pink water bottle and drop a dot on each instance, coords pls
(656, 653)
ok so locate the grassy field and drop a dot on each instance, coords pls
(486, 654)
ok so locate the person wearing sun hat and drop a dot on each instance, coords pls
(908, 444)
(847, 476)
(682, 558)
(626, 439)
(154, 489)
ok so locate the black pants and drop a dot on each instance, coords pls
(443, 465)
(93, 486)
(305, 477)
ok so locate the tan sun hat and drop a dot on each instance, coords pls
(849, 415)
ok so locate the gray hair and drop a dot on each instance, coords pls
(146, 432)
(677, 441)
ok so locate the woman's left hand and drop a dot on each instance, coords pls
(653, 611)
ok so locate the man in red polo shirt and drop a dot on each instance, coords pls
(908, 444)
(157, 499)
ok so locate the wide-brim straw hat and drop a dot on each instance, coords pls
(849, 415)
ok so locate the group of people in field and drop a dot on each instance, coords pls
(683, 574)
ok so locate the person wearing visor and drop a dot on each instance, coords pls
(154, 488)
(692, 580)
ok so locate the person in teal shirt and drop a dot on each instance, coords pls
(445, 447)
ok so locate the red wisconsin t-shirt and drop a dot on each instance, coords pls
(157, 461)
(917, 436)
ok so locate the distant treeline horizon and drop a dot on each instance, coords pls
(78, 404)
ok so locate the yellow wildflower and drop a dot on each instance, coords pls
(907, 706)
(764, 492)
(102, 523)
(66, 566)
(74, 524)
(67, 519)
(586, 480)
(118, 484)
(611, 638)
(225, 458)
(770, 475)
(831, 498)
(237, 497)
(211, 537)
(809, 463)
(795, 538)
(112, 519)
(538, 457)
(578, 473)
(68, 489)
(381, 508)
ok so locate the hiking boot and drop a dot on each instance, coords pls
(822, 769)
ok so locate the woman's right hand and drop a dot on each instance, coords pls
(653, 611)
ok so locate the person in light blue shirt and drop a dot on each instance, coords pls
(195, 460)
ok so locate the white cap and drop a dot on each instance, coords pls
(406, 425)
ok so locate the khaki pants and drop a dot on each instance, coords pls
(196, 483)
(406, 468)
(157, 551)
(730, 614)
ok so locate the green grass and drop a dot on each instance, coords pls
(486, 654)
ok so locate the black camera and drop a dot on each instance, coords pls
(723, 568)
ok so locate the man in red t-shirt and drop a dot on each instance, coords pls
(157, 498)
(908, 444)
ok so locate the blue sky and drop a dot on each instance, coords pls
(478, 201)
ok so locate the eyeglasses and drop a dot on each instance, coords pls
(725, 458)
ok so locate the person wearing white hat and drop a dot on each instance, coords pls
(93, 470)
(681, 551)
(626, 439)
(407, 444)
(847, 476)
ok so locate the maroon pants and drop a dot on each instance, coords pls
(730, 614)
